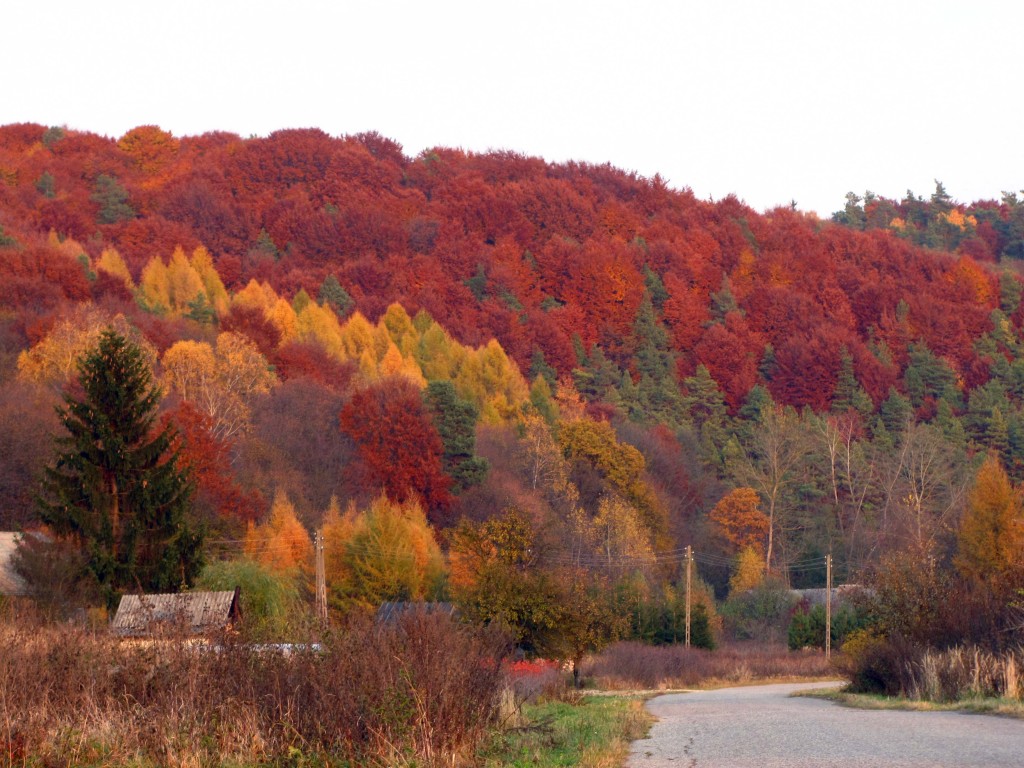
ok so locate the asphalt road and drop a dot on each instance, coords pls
(762, 726)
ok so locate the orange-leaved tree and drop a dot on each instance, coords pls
(990, 542)
(739, 519)
(282, 543)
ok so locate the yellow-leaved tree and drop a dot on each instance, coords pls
(489, 379)
(53, 360)
(220, 382)
(438, 355)
(621, 541)
(386, 552)
(183, 283)
(319, 325)
(255, 295)
(184, 286)
(749, 573)
(990, 542)
(111, 262)
(213, 287)
(621, 464)
(401, 329)
(155, 286)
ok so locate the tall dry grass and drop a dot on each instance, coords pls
(963, 673)
(424, 691)
(631, 665)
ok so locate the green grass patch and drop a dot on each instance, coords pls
(595, 732)
(988, 706)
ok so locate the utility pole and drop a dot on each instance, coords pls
(321, 579)
(689, 565)
(828, 606)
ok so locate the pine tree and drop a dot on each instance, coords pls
(723, 301)
(848, 393)
(895, 412)
(658, 388)
(539, 367)
(116, 487)
(1009, 292)
(597, 376)
(112, 199)
(455, 420)
(655, 287)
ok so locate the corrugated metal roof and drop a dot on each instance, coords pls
(392, 612)
(10, 582)
(196, 612)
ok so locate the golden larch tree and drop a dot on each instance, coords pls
(282, 543)
(990, 541)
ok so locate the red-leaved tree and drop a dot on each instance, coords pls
(397, 445)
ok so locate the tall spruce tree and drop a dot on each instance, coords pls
(115, 485)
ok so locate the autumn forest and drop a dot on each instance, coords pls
(520, 386)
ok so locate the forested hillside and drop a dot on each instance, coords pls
(511, 368)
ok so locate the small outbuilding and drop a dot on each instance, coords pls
(192, 613)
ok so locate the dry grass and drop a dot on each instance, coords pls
(964, 673)
(991, 706)
(424, 692)
(630, 665)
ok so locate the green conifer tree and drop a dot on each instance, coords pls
(895, 411)
(723, 301)
(112, 199)
(658, 394)
(116, 487)
(655, 287)
(455, 420)
(332, 293)
(539, 367)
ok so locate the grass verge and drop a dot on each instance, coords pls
(983, 706)
(595, 732)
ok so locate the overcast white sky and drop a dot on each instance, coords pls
(773, 101)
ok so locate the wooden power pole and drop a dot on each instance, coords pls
(828, 606)
(321, 579)
(689, 565)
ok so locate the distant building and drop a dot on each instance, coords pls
(11, 583)
(194, 613)
(841, 594)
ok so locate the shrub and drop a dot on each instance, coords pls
(423, 691)
(270, 601)
(630, 665)
(877, 664)
(807, 627)
(760, 614)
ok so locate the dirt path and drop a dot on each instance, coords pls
(762, 727)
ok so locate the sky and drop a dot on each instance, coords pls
(772, 101)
